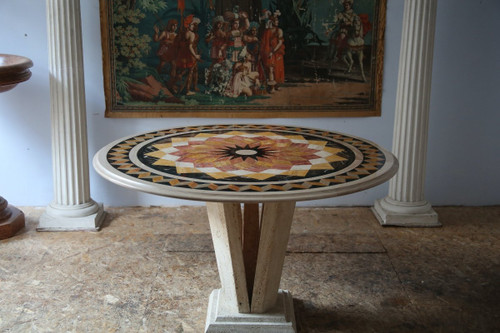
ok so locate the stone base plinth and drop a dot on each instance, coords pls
(391, 213)
(88, 217)
(279, 319)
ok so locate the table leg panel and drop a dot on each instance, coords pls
(275, 230)
(251, 237)
(226, 228)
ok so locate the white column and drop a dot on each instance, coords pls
(405, 205)
(72, 208)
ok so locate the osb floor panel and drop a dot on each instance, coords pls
(152, 270)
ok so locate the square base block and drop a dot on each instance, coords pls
(72, 219)
(427, 218)
(279, 319)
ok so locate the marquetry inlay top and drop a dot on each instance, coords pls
(246, 163)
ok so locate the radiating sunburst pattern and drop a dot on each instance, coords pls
(247, 161)
(254, 155)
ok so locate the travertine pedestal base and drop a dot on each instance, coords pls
(11, 219)
(250, 299)
(279, 319)
(391, 213)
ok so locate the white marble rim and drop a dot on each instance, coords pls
(108, 172)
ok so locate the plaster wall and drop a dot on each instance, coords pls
(463, 154)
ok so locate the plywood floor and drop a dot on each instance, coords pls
(152, 270)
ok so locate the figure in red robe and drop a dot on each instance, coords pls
(272, 54)
(187, 56)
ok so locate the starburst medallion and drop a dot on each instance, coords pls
(246, 152)
(254, 155)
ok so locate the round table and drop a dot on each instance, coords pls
(265, 169)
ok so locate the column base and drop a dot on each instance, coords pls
(279, 319)
(393, 213)
(86, 217)
(12, 222)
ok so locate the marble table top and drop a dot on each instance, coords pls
(245, 163)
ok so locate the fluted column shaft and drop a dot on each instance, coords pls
(406, 204)
(72, 207)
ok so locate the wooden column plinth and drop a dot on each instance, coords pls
(14, 69)
(11, 219)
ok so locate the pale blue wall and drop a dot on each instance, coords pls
(463, 153)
